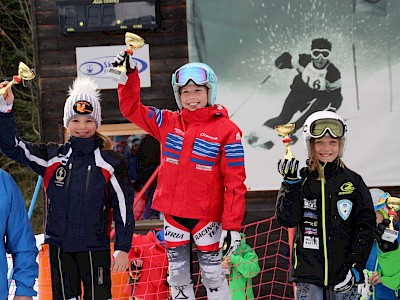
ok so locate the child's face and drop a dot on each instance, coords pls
(194, 96)
(82, 127)
(327, 148)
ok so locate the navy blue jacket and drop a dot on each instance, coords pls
(83, 185)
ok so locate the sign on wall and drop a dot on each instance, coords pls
(96, 61)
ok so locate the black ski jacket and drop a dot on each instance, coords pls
(334, 223)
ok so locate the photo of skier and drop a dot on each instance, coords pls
(317, 86)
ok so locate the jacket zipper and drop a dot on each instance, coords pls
(324, 232)
(68, 176)
(89, 169)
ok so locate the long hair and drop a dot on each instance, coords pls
(107, 142)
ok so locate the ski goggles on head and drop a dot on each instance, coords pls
(334, 127)
(324, 53)
(182, 76)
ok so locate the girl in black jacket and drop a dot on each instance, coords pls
(332, 212)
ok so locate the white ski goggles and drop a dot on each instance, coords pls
(199, 75)
(324, 53)
(334, 127)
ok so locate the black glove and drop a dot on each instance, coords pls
(125, 57)
(347, 284)
(284, 61)
(384, 245)
(289, 170)
(134, 272)
(119, 59)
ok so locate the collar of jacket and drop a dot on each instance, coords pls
(204, 114)
(331, 168)
(84, 146)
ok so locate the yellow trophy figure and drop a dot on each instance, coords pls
(393, 203)
(24, 73)
(285, 130)
(133, 42)
(390, 234)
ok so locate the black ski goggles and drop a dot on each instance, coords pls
(324, 53)
(334, 127)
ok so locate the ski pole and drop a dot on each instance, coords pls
(259, 86)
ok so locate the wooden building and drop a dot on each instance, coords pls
(55, 60)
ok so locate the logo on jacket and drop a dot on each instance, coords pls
(208, 136)
(238, 136)
(344, 208)
(310, 204)
(60, 176)
(346, 188)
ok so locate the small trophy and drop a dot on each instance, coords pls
(24, 73)
(134, 42)
(390, 234)
(285, 130)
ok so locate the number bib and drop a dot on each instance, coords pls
(314, 78)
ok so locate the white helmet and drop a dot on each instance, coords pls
(200, 74)
(321, 123)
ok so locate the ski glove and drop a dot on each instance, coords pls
(384, 245)
(125, 56)
(3, 105)
(232, 240)
(284, 61)
(365, 289)
(348, 283)
(289, 170)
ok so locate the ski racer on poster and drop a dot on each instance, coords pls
(317, 86)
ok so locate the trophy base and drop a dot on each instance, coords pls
(390, 235)
(117, 75)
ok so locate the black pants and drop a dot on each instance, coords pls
(70, 269)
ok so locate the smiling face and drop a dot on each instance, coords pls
(82, 127)
(326, 148)
(194, 96)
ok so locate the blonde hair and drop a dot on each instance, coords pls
(314, 165)
(107, 142)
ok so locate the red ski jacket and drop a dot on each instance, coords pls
(152, 283)
(202, 169)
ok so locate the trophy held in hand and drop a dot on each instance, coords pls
(286, 130)
(390, 234)
(24, 73)
(118, 71)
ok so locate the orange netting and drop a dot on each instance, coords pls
(267, 238)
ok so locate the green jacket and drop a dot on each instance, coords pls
(244, 266)
(390, 265)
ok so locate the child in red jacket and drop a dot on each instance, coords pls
(200, 187)
(148, 267)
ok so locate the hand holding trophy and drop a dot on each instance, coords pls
(119, 69)
(393, 204)
(24, 73)
(288, 167)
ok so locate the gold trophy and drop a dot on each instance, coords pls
(24, 73)
(134, 42)
(390, 234)
(286, 130)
